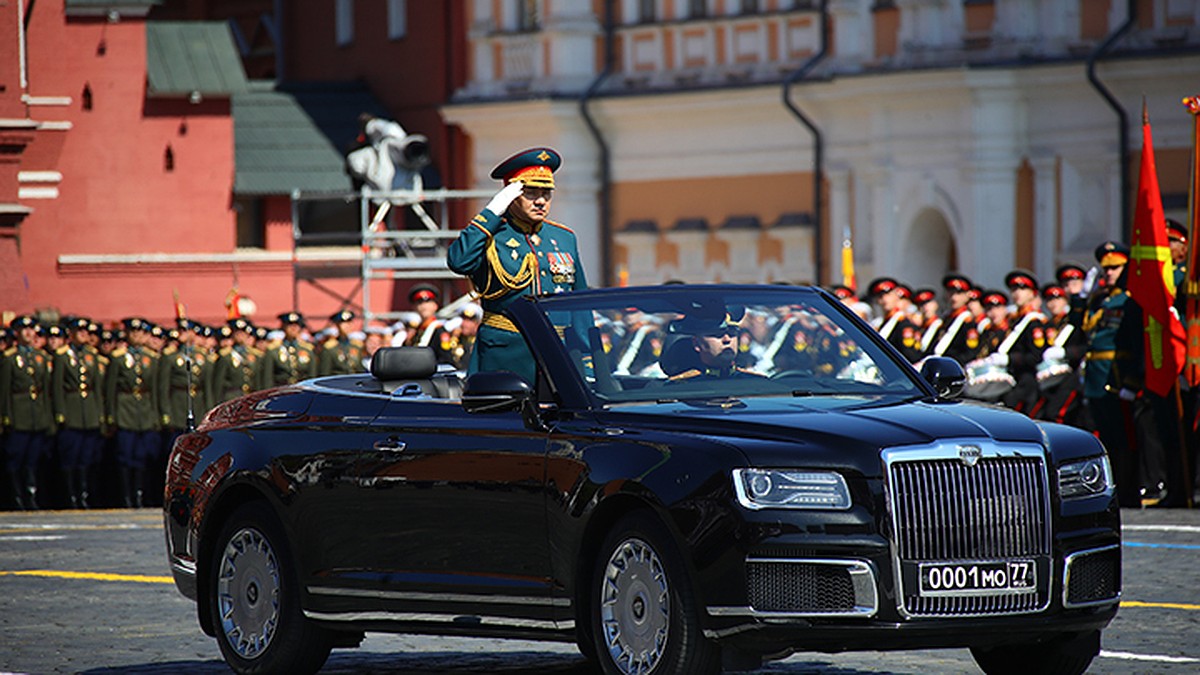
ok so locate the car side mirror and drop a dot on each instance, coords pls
(501, 391)
(946, 375)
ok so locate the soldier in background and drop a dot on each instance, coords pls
(958, 335)
(293, 359)
(182, 382)
(341, 354)
(131, 410)
(895, 326)
(26, 416)
(77, 395)
(235, 372)
(457, 337)
(374, 338)
(926, 302)
(424, 301)
(1025, 341)
(1062, 398)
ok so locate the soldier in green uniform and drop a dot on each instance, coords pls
(26, 417)
(341, 354)
(182, 379)
(1113, 371)
(78, 401)
(293, 359)
(236, 371)
(131, 409)
(509, 250)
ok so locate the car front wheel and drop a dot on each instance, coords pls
(255, 599)
(644, 614)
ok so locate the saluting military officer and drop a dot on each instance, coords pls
(293, 359)
(341, 354)
(77, 395)
(26, 416)
(511, 249)
(131, 409)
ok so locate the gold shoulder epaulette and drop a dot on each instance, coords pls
(329, 344)
(357, 343)
(10, 351)
(170, 349)
(685, 375)
(558, 225)
(118, 352)
(225, 351)
(62, 350)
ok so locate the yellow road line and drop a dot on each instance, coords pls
(91, 576)
(1161, 605)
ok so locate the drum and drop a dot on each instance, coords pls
(987, 381)
(1051, 373)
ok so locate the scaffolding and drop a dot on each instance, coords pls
(390, 244)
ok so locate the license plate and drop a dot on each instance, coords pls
(978, 578)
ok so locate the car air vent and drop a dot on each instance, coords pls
(1093, 577)
(799, 587)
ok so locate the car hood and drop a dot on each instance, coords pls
(830, 429)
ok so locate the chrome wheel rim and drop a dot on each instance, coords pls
(248, 593)
(635, 607)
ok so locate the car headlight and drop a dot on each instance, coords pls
(1085, 478)
(790, 489)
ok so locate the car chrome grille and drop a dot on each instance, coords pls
(946, 509)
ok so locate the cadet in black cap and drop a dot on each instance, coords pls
(511, 249)
(26, 415)
(341, 354)
(894, 325)
(78, 401)
(1022, 347)
(293, 360)
(424, 301)
(958, 336)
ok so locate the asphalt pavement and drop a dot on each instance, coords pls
(90, 592)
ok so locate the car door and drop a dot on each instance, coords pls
(456, 506)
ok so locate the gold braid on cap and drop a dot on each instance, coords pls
(508, 282)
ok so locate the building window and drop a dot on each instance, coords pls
(397, 19)
(748, 6)
(697, 9)
(343, 22)
(529, 17)
(647, 11)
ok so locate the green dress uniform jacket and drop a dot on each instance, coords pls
(341, 357)
(235, 372)
(176, 388)
(289, 363)
(129, 392)
(78, 390)
(1113, 324)
(506, 261)
(25, 382)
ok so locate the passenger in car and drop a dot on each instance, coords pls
(712, 351)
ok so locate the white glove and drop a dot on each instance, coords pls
(1054, 353)
(1089, 282)
(998, 359)
(504, 197)
(1126, 394)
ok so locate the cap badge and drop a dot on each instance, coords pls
(543, 155)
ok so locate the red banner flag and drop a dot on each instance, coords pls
(1191, 370)
(1152, 277)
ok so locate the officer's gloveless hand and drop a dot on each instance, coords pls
(504, 197)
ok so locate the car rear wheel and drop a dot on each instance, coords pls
(644, 614)
(1068, 655)
(255, 599)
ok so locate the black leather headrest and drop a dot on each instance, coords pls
(403, 363)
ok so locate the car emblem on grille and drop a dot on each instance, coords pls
(969, 454)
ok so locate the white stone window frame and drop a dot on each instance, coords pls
(343, 22)
(397, 19)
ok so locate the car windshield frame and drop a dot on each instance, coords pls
(874, 369)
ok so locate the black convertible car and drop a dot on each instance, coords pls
(700, 478)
